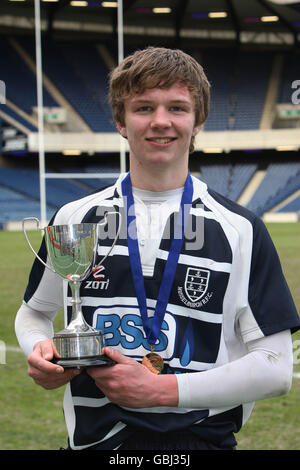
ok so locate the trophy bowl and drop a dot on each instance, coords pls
(72, 251)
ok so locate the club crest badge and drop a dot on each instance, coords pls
(194, 292)
(196, 283)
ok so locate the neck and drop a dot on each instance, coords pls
(155, 179)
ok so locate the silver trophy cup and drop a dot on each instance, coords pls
(72, 251)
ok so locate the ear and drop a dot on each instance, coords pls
(197, 129)
(122, 129)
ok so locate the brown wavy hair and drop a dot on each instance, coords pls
(158, 67)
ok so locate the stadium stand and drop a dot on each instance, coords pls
(228, 179)
(92, 184)
(26, 182)
(292, 206)
(22, 84)
(217, 177)
(15, 206)
(221, 88)
(240, 177)
(251, 89)
(238, 91)
(280, 181)
(9, 115)
(19, 191)
(79, 74)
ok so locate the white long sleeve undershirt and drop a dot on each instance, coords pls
(264, 372)
(32, 326)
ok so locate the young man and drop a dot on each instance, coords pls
(207, 304)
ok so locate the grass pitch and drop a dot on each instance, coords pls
(32, 418)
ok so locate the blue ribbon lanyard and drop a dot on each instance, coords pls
(153, 333)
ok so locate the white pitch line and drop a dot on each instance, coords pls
(13, 349)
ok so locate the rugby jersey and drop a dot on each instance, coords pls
(228, 289)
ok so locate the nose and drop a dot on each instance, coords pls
(160, 119)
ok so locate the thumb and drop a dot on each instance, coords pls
(117, 356)
(47, 350)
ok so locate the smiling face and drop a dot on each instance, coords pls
(159, 125)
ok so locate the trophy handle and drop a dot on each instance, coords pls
(116, 238)
(36, 220)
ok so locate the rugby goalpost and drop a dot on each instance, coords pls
(43, 175)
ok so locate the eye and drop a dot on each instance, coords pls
(144, 109)
(177, 109)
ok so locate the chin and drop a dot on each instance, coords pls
(162, 159)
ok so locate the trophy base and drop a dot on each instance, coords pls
(82, 363)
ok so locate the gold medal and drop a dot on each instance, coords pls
(153, 361)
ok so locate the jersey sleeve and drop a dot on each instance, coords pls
(270, 306)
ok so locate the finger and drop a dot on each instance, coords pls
(43, 366)
(37, 361)
(117, 356)
(48, 350)
(52, 377)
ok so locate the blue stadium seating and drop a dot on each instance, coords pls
(93, 184)
(78, 73)
(221, 88)
(15, 206)
(26, 182)
(240, 177)
(228, 179)
(28, 125)
(19, 192)
(19, 79)
(216, 177)
(237, 89)
(280, 181)
(254, 70)
(293, 206)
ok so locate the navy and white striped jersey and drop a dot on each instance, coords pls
(228, 290)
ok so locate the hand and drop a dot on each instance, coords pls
(44, 372)
(129, 383)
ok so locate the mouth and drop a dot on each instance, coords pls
(161, 140)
